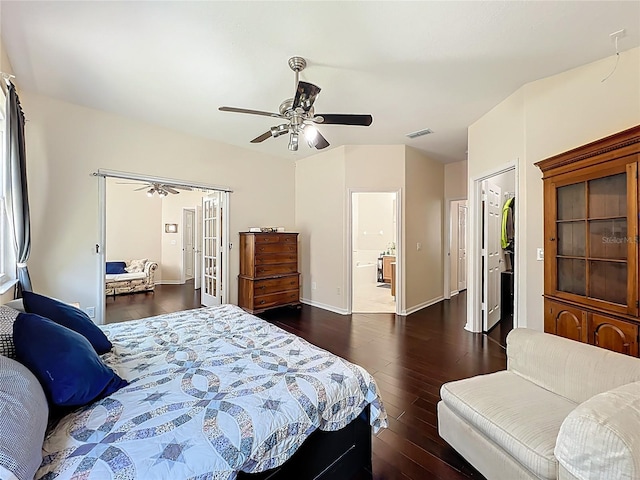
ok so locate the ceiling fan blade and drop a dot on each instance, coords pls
(321, 142)
(176, 187)
(170, 189)
(345, 119)
(262, 138)
(252, 112)
(142, 188)
(306, 94)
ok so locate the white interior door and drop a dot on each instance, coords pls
(188, 248)
(491, 255)
(462, 247)
(214, 247)
(197, 262)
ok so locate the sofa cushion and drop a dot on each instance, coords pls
(125, 277)
(23, 421)
(514, 413)
(600, 439)
(114, 268)
(67, 316)
(136, 266)
(68, 368)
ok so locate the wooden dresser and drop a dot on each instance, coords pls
(269, 275)
(591, 267)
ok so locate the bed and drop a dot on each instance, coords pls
(217, 393)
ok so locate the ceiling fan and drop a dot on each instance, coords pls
(299, 115)
(160, 188)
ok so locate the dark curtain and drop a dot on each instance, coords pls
(16, 198)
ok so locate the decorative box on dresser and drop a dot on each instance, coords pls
(591, 269)
(269, 275)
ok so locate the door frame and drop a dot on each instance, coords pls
(183, 275)
(474, 245)
(400, 306)
(99, 247)
(447, 241)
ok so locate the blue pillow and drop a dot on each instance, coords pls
(65, 363)
(67, 316)
(115, 268)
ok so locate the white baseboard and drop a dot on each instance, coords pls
(331, 308)
(169, 282)
(454, 293)
(422, 305)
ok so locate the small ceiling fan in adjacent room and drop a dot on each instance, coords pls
(299, 117)
(156, 188)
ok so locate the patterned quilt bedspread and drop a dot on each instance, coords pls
(213, 391)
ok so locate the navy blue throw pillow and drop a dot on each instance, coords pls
(115, 268)
(67, 316)
(65, 363)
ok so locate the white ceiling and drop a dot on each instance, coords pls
(412, 65)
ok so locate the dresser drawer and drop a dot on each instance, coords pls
(274, 299)
(287, 238)
(274, 258)
(275, 285)
(280, 247)
(279, 269)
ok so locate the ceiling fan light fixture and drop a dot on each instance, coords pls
(293, 142)
(162, 193)
(311, 135)
(279, 130)
(150, 192)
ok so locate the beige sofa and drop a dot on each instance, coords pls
(562, 409)
(121, 283)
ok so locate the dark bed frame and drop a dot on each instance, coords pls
(341, 455)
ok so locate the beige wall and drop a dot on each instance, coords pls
(424, 219)
(133, 224)
(172, 243)
(320, 220)
(376, 168)
(541, 119)
(323, 183)
(455, 180)
(66, 143)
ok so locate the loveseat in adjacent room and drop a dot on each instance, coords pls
(130, 277)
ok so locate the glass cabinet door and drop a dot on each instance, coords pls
(595, 249)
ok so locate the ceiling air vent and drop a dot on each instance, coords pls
(420, 133)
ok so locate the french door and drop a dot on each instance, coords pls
(214, 288)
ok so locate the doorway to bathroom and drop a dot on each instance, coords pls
(374, 242)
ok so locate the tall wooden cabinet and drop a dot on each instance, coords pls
(591, 266)
(269, 275)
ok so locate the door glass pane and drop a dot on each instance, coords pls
(571, 239)
(608, 281)
(608, 238)
(571, 275)
(571, 202)
(608, 196)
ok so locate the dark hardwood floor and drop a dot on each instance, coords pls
(410, 358)
(165, 299)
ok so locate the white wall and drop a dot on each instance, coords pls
(66, 143)
(374, 226)
(541, 119)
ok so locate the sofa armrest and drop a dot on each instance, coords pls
(600, 439)
(150, 269)
(574, 370)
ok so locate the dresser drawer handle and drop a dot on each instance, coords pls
(261, 302)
